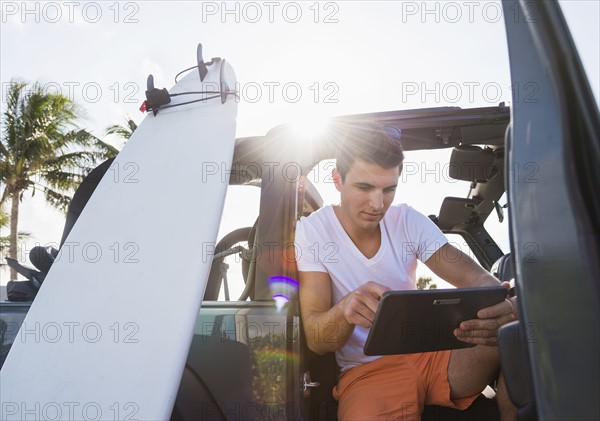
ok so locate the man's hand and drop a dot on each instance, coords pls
(484, 329)
(328, 327)
(360, 305)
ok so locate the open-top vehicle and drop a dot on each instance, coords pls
(248, 359)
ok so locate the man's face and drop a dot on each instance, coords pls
(366, 194)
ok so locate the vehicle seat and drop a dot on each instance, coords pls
(216, 382)
(504, 268)
(514, 358)
(323, 369)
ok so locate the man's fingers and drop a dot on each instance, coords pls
(481, 332)
(361, 316)
(473, 334)
(484, 330)
(500, 309)
(477, 337)
(362, 304)
(368, 300)
(477, 340)
(374, 289)
(487, 324)
(358, 312)
(361, 321)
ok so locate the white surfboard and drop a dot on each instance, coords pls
(108, 334)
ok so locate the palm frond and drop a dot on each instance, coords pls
(123, 131)
(105, 150)
(76, 162)
(58, 200)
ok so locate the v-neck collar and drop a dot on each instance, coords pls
(350, 244)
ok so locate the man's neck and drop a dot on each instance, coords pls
(367, 241)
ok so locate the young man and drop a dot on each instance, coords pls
(350, 254)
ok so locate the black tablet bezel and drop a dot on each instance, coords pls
(424, 320)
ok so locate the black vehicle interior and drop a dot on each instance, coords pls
(477, 137)
(203, 393)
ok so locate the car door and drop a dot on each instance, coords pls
(552, 189)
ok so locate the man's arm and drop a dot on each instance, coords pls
(457, 268)
(328, 328)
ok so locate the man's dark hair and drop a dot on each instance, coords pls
(373, 144)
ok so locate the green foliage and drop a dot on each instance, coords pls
(425, 283)
(4, 239)
(123, 131)
(269, 368)
(42, 149)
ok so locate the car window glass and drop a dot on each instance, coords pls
(498, 229)
(240, 211)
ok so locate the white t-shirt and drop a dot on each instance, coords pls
(322, 245)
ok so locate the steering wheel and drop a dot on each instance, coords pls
(240, 242)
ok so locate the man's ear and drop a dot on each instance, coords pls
(337, 179)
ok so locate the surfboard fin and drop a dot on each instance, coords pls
(202, 70)
(202, 66)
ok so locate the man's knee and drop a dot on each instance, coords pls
(470, 370)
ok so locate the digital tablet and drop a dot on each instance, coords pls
(424, 320)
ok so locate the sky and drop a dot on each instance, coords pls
(294, 61)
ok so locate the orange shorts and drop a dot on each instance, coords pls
(396, 387)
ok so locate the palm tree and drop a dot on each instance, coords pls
(5, 239)
(43, 150)
(123, 131)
